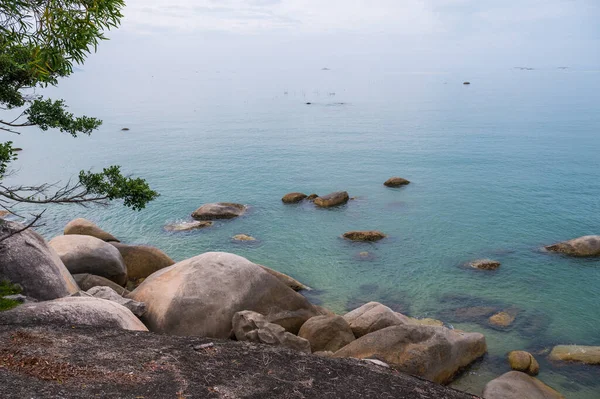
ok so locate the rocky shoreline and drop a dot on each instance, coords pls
(88, 278)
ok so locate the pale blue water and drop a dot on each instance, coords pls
(498, 169)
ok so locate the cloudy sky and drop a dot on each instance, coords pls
(414, 33)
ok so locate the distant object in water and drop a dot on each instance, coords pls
(466, 83)
(308, 103)
(332, 93)
(524, 68)
(125, 129)
(563, 68)
(285, 93)
(325, 69)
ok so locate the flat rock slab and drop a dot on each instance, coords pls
(333, 199)
(364, 236)
(187, 226)
(87, 362)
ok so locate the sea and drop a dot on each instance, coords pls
(499, 168)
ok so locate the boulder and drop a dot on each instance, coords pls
(515, 384)
(312, 197)
(254, 327)
(85, 281)
(27, 260)
(219, 210)
(142, 260)
(243, 237)
(87, 254)
(484, 264)
(293, 198)
(371, 317)
(84, 227)
(326, 333)
(582, 246)
(74, 311)
(503, 319)
(187, 226)
(396, 182)
(364, 235)
(137, 308)
(523, 361)
(287, 280)
(576, 353)
(199, 296)
(333, 199)
(434, 353)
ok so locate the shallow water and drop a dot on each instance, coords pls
(498, 169)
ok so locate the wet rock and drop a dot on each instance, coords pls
(199, 296)
(187, 226)
(371, 317)
(86, 281)
(396, 182)
(293, 198)
(254, 327)
(142, 260)
(71, 311)
(312, 197)
(503, 319)
(586, 246)
(576, 353)
(434, 353)
(365, 236)
(333, 199)
(484, 264)
(523, 361)
(137, 308)
(472, 313)
(87, 254)
(243, 237)
(27, 260)
(515, 384)
(84, 227)
(326, 333)
(219, 210)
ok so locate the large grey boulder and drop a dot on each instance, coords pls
(333, 199)
(85, 281)
(142, 260)
(87, 254)
(137, 308)
(26, 259)
(434, 353)
(84, 227)
(74, 311)
(326, 333)
(581, 247)
(199, 296)
(254, 327)
(515, 384)
(219, 210)
(371, 317)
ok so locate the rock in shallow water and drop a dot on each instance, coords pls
(523, 361)
(333, 199)
(243, 237)
(586, 246)
(187, 226)
(84, 227)
(484, 264)
(293, 198)
(576, 353)
(219, 210)
(396, 182)
(517, 385)
(365, 236)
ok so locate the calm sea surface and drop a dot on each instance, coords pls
(498, 169)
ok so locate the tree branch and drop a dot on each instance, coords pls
(28, 226)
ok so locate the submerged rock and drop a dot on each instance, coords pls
(87, 254)
(580, 247)
(484, 264)
(293, 198)
(434, 353)
(219, 210)
(326, 333)
(27, 260)
(333, 199)
(142, 260)
(199, 296)
(523, 361)
(84, 227)
(372, 235)
(243, 237)
(72, 311)
(576, 353)
(503, 319)
(515, 384)
(396, 182)
(254, 327)
(187, 226)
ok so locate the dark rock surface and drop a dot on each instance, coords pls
(83, 362)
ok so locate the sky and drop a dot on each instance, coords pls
(411, 34)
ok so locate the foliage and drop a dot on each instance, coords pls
(40, 42)
(6, 288)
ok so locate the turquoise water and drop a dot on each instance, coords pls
(498, 169)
